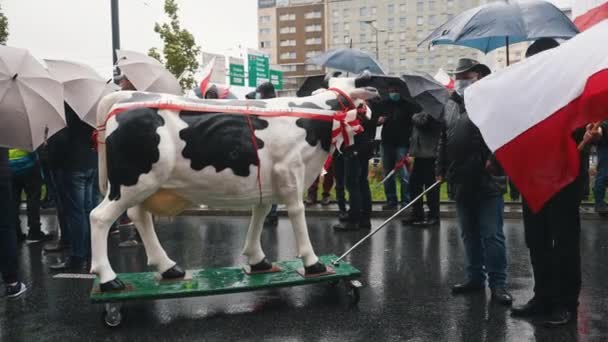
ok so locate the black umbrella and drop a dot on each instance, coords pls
(427, 92)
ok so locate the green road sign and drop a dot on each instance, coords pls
(237, 75)
(276, 78)
(259, 69)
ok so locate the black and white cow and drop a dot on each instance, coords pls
(161, 160)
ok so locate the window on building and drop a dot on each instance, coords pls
(312, 67)
(336, 39)
(313, 41)
(391, 23)
(374, 37)
(265, 44)
(420, 6)
(288, 29)
(374, 10)
(363, 38)
(403, 49)
(391, 61)
(311, 54)
(391, 8)
(264, 31)
(313, 28)
(289, 68)
(346, 40)
(402, 21)
(419, 34)
(402, 36)
(363, 11)
(265, 19)
(288, 42)
(402, 8)
(463, 3)
(450, 3)
(450, 16)
(432, 20)
(335, 27)
(287, 17)
(402, 62)
(335, 13)
(420, 61)
(432, 5)
(390, 37)
(346, 26)
(288, 55)
(363, 26)
(346, 13)
(419, 21)
(313, 15)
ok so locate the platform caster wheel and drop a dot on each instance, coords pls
(112, 315)
(353, 291)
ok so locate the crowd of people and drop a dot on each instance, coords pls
(448, 149)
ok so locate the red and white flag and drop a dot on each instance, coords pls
(587, 13)
(206, 73)
(445, 79)
(528, 112)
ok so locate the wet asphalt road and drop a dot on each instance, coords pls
(407, 273)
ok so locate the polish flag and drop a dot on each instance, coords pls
(445, 79)
(528, 112)
(587, 13)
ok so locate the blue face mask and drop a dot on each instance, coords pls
(394, 96)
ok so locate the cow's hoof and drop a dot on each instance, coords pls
(261, 266)
(315, 269)
(114, 285)
(174, 272)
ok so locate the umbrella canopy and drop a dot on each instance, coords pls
(350, 60)
(31, 101)
(427, 92)
(83, 88)
(497, 24)
(146, 73)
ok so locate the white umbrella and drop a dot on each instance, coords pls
(83, 87)
(146, 73)
(31, 101)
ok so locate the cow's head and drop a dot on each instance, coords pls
(355, 87)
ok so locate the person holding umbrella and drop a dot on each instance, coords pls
(478, 185)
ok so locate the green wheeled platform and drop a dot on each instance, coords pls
(216, 281)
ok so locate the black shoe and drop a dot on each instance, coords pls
(21, 237)
(432, 222)
(15, 290)
(534, 307)
(271, 220)
(325, 201)
(73, 264)
(56, 247)
(501, 296)
(38, 236)
(365, 224)
(390, 206)
(412, 221)
(468, 287)
(346, 226)
(559, 316)
(343, 216)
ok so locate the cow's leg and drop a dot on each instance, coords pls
(102, 218)
(157, 256)
(295, 209)
(253, 246)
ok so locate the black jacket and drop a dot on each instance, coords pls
(5, 171)
(462, 156)
(397, 127)
(426, 132)
(71, 149)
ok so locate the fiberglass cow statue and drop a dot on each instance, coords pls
(160, 154)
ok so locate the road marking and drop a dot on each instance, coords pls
(74, 276)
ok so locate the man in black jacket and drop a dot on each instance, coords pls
(477, 185)
(553, 237)
(8, 239)
(72, 148)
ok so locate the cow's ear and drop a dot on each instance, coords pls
(329, 76)
(364, 79)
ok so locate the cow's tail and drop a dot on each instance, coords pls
(103, 109)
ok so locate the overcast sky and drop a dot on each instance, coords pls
(80, 29)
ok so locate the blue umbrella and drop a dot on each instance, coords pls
(350, 60)
(494, 25)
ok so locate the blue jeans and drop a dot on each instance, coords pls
(391, 155)
(77, 193)
(481, 222)
(599, 188)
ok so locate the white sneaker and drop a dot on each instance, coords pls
(15, 290)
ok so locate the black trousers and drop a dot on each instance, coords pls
(423, 176)
(8, 239)
(31, 182)
(356, 168)
(553, 237)
(338, 165)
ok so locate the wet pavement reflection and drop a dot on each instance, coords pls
(407, 274)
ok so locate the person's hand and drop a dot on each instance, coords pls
(593, 132)
(381, 120)
(439, 179)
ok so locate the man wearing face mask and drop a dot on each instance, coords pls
(396, 119)
(477, 185)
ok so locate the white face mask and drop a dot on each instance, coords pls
(461, 85)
